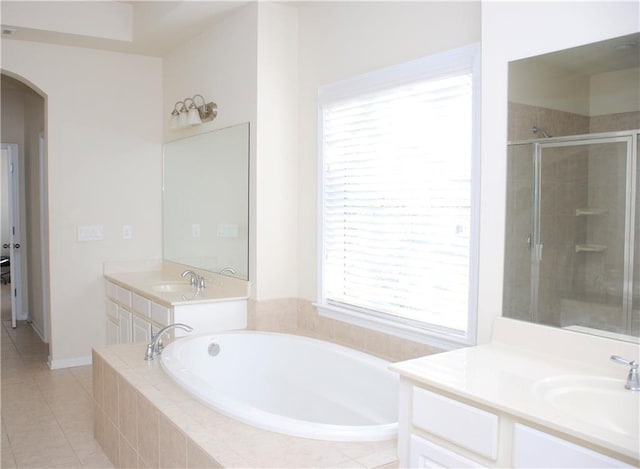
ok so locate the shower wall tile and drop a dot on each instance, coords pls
(522, 118)
(615, 122)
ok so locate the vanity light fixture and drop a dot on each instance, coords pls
(186, 112)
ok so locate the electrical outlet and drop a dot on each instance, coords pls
(127, 232)
(195, 230)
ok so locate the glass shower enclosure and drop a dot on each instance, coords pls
(572, 238)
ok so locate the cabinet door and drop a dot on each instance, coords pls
(141, 330)
(425, 454)
(124, 323)
(113, 332)
(533, 448)
(160, 314)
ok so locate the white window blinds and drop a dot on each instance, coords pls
(396, 201)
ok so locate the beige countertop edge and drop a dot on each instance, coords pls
(142, 288)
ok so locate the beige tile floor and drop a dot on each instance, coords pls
(47, 415)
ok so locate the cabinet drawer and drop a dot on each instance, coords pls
(111, 290)
(141, 305)
(160, 314)
(462, 424)
(533, 448)
(123, 296)
(426, 454)
(112, 310)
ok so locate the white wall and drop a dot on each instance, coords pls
(221, 65)
(345, 39)
(247, 64)
(276, 198)
(512, 31)
(104, 128)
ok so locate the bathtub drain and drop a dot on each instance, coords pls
(213, 349)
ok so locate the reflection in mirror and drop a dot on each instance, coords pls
(573, 207)
(206, 201)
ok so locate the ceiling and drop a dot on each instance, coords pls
(157, 26)
(600, 57)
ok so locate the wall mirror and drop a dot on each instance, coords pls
(206, 201)
(572, 245)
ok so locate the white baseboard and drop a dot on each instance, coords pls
(40, 332)
(69, 362)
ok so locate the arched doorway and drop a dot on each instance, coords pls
(24, 128)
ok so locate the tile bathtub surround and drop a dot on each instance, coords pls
(300, 317)
(173, 429)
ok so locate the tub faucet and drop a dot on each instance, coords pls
(633, 383)
(228, 270)
(154, 348)
(197, 281)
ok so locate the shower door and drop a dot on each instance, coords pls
(582, 240)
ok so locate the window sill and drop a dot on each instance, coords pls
(397, 329)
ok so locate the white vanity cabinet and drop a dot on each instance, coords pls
(442, 430)
(123, 321)
(134, 317)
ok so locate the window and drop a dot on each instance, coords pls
(398, 199)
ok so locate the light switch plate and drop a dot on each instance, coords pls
(195, 230)
(90, 232)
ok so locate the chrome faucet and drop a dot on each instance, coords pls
(633, 382)
(154, 348)
(193, 277)
(197, 281)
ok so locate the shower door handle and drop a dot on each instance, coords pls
(539, 252)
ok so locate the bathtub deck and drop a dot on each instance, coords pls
(143, 418)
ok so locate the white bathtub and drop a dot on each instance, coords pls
(289, 384)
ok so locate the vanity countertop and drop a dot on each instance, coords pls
(517, 380)
(218, 287)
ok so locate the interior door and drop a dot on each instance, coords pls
(11, 235)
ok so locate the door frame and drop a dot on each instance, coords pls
(12, 165)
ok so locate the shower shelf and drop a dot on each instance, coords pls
(590, 248)
(591, 211)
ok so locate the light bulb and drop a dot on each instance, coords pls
(194, 116)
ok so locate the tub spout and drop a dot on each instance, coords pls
(154, 347)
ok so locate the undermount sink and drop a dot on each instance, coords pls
(595, 400)
(173, 287)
